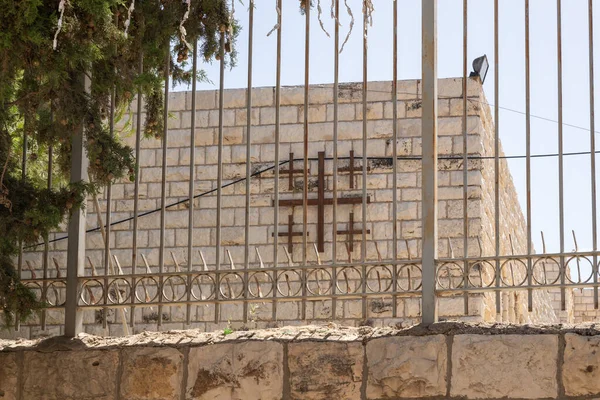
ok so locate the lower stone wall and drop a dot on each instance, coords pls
(446, 360)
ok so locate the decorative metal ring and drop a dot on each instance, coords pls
(148, 285)
(476, 274)
(344, 277)
(174, 282)
(202, 282)
(511, 262)
(406, 269)
(313, 277)
(257, 292)
(118, 295)
(36, 288)
(87, 288)
(451, 278)
(292, 285)
(577, 259)
(56, 288)
(232, 292)
(377, 271)
(542, 263)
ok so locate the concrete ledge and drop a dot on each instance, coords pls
(446, 360)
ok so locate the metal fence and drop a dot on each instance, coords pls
(197, 282)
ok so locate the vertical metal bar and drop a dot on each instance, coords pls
(46, 260)
(192, 186)
(497, 158)
(528, 156)
(305, 183)
(363, 244)
(429, 167)
(465, 158)
(395, 158)
(248, 160)
(76, 229)
(107, 260)
(163, 196)
(336, 88)
(321, 203)
(561, 200)
(136, 187)
(277, 156)
(593, 149)
(220, 172)
(23, 178)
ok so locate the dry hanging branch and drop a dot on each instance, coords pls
(368, 9)
(351, 25)
(278, 24)
(61, 10)
(129, 12)
(319, 12)
(182, 31)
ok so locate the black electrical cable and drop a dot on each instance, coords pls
(262, 171)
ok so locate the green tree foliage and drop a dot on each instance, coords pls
(42, 98)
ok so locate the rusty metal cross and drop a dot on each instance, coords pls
(321, 202)
(290, 233)
(351, 231)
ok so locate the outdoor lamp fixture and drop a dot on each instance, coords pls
(480, 67)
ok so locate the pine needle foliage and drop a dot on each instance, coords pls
(43, 99)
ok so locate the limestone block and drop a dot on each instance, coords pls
(234, 98)
(263, 97)
(70, 375)
(228, 118)
(151, 373)
(292, 133)
(174, 120)
(325, 370)
(320, 94)
(408, 89)
(205, 136)
(350, 130)
(345, 112)
(450, 87)
(177, 101)
(9, 372)
(316, 113)
(292, 95)
(407, 367)
(249, 370)
(205, 100)
(411, 127)
(581, 368)
(515, 366)
(241, 116)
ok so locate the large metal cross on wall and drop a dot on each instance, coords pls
(321, 202)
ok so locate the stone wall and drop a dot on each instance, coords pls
(583, 307)
(447, 360)
(379, 187)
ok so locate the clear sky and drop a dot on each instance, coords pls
(544, 98)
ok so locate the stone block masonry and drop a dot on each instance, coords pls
(379, 219)
(446, 360)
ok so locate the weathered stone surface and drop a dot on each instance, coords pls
(70, 375)
(250, 370)
(152, 373)
(321, 370)
(9, 372)
(513, 366)
(407, 367)
(581, 368)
